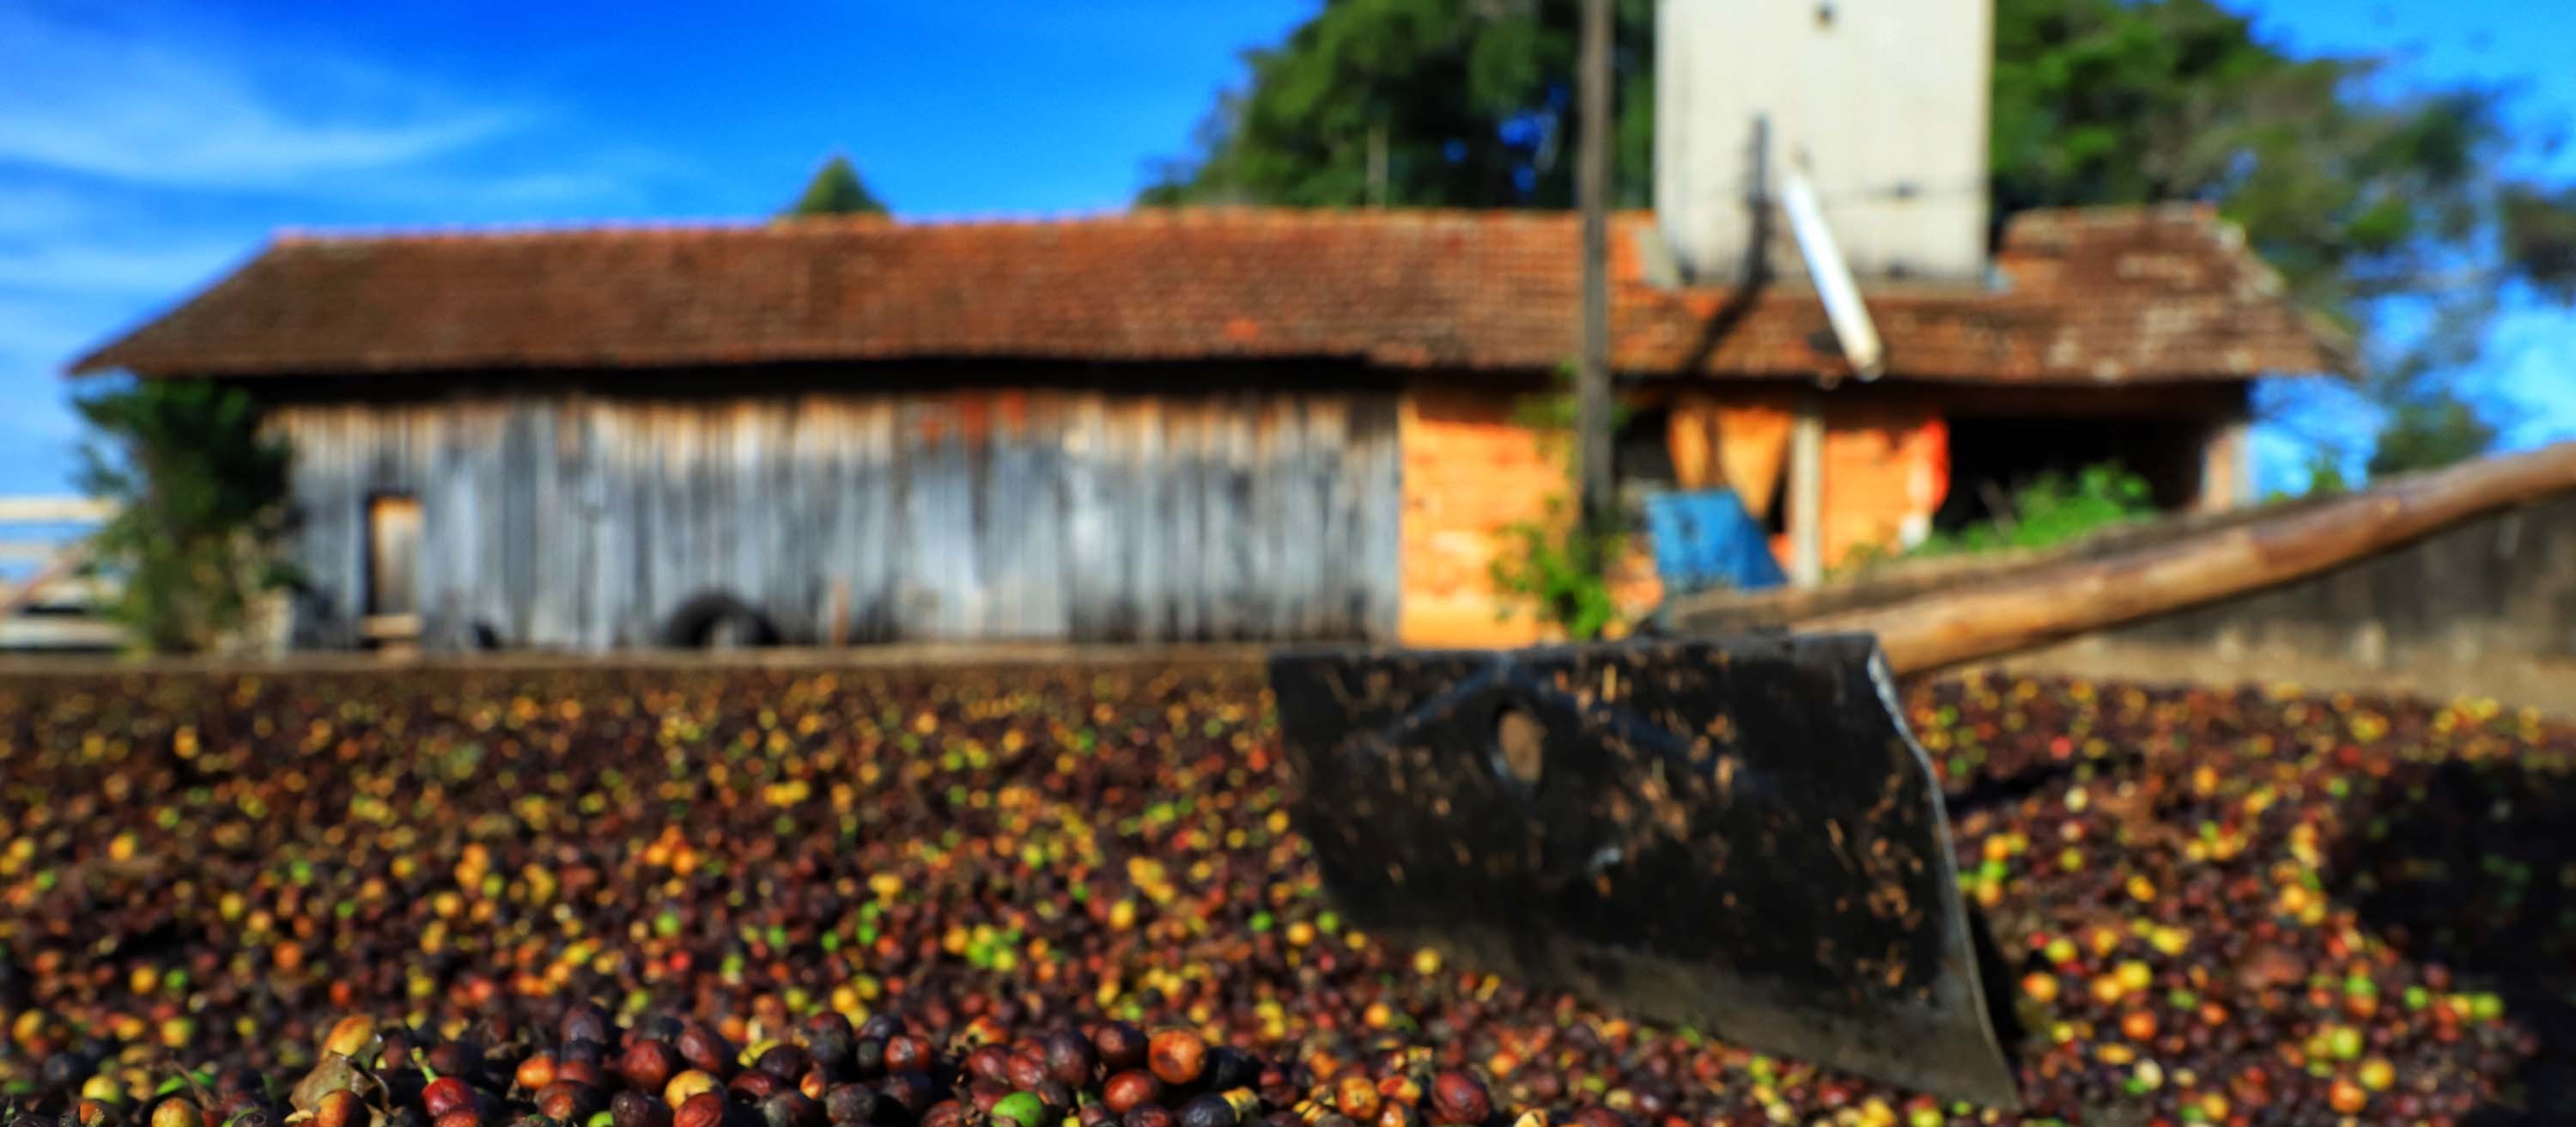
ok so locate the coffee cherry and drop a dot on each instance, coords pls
(1070, 1059)
(786, 1062)
(909, 1053)
(340, 1108)
(706, 1051)
(1177, 1056)
(687, 1084)
(706, 1109)
(1025, 1070)
(1019, 1109)
(1126, 1090)
(790, 1108)
(909, 1089)
(535, 1072)
(1121, 1046)
(632, 1108)
(1457, 1098)
(1207, 1111)
(583, 1021)
(849, 1105)
(445, 1095)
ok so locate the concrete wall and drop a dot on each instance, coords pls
(1885, 101)
(2497, 589)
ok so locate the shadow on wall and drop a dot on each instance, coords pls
(2467, 864)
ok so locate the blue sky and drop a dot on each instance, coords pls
(146, 147)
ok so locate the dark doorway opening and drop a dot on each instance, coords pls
(1991, 457)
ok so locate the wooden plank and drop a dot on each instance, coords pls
(1088, 558)
(55, 510)
(749, 506)
(74, 591)
(552, 595)
(869, 540)
(939, 512)
(34, 551)
(1005, 496)
(1327, 432)
(58, 632)
(1150, 564)
(501, 509)
(34, 589)
(1044, 513)
(1378, 459)
(596, 560)
(796, 587)
(453, 514)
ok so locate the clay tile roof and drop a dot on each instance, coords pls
(2121, 295)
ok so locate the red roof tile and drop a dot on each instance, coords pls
(2112, 295)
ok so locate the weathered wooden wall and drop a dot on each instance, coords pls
(581, 520)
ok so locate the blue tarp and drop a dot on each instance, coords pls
(1706, 539)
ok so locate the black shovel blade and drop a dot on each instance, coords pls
(1739, 835)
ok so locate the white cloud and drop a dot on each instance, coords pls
(98, 102)
(145, 147)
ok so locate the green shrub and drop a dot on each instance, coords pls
(1554, 566)
(1561, 571)
(2053, 509)
(201, 510)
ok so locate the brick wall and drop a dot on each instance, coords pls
(1886, 466)
(1469, 472)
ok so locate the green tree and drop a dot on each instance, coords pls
(835, 190)
(2428, 435)
(201, 499)
(1420, 103)
(2367, 199)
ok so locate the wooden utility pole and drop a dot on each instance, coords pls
(1806, 518)
(1592, 194)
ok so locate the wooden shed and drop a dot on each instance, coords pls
(1162, 426)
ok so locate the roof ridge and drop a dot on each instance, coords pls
(681, 227)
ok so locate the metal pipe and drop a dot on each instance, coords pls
(1832, 275)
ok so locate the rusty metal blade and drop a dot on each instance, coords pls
(1739, 835)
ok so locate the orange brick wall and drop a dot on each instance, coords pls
(1469, 472)
(1885, 461)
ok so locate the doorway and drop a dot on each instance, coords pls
(393, 569)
